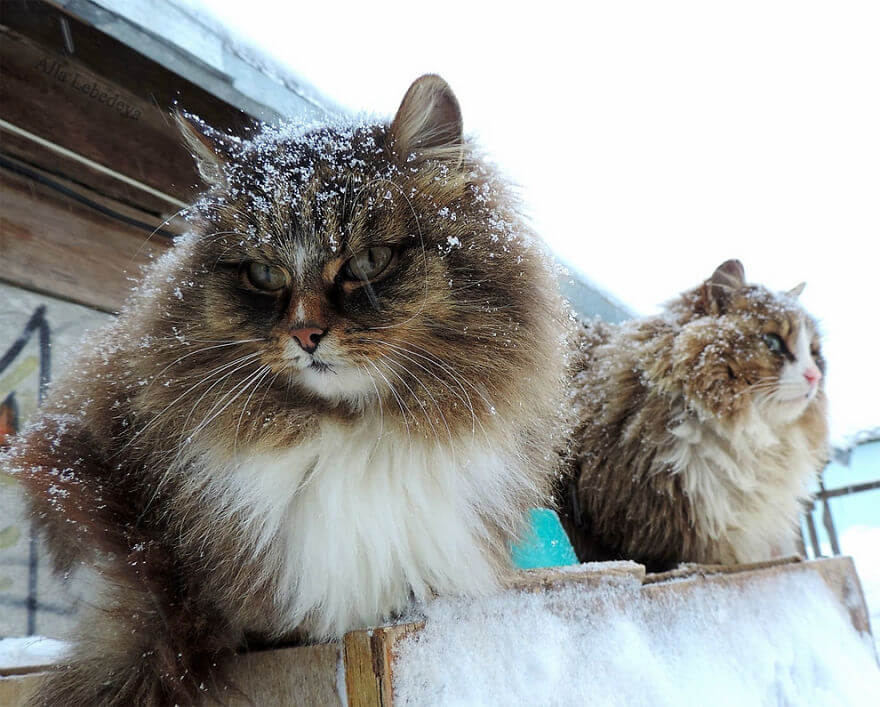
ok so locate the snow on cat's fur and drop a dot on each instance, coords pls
(699, 429)
(339, 393)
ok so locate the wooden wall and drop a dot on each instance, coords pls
(90, 162)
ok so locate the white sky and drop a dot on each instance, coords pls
(652, 140)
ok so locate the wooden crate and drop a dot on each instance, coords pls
(312, 675)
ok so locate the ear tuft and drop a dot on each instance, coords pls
(429, 117)
(206, 146)
(728, 277)
(796, 291)
(730, 274)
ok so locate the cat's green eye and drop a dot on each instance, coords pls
(266, 277)
(368, 264)
(774, 343)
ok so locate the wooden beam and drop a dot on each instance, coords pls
(52, 243)
(104, 100)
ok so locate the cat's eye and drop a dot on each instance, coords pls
(266, 277)
(774, 343)
(368, 264)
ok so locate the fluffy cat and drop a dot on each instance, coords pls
(700, 429)
(336, 395)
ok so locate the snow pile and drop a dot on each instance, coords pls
(784, 640)
(30, 651)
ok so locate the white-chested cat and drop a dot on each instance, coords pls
(700, 429)
(336, 395)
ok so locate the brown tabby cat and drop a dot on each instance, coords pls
(700, 429)
(336, 395)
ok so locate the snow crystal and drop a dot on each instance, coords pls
(784, 640)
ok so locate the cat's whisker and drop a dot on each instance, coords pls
(449, 368)
(465, 401)
(269, 387)
(241, 387)
(766, 383)
(401, 351)
(378, 398)
(396, 397)
(206, 378)
(154, 232)
(241, 364)
(172, 464)
(262, 377)
(152, 422)
(415, 397)
(219, 345)
(391, 359)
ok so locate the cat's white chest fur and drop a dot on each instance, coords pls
(355, 524)
(745, 485)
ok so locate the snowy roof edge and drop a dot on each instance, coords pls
(200, 50)
(842, 451)
(603, 303)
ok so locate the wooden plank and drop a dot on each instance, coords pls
(61, 101)
(305, 675)
(16, 690)
(369, 661)
(50, 243)
(362, 685)
(540, 580)
(838, 573)
(104, 101)
(36, 156)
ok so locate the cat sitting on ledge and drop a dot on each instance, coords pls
(340, 393)
(699, 429)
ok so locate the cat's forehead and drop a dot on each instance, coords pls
(776, 311)
(302, 198)
(317, 163)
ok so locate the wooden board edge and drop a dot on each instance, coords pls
(368, 657)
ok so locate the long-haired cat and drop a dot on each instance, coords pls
(336, 395)
(699, 429)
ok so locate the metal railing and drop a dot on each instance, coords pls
(821, 498)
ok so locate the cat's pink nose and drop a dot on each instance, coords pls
(813, 375)
(308, 337)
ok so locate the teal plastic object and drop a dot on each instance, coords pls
(544, 544)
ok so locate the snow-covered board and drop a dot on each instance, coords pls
(539, 619)
(560, 634)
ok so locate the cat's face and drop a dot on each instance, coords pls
(365, 265)
(745, 345)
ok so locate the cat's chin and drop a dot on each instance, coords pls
(787, 410)
(337, 383)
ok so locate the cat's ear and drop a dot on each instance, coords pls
(208, 146)
(428, 118)
(796, 291)
(728, 277)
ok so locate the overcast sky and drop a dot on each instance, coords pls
(652, 140)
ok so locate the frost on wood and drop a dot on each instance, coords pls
(784, 640)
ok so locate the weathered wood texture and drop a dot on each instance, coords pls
(66, 228)
(369, 664)
(68, 97)
(304, 675)
(15, 689)
(53, 244)
(289, 676)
